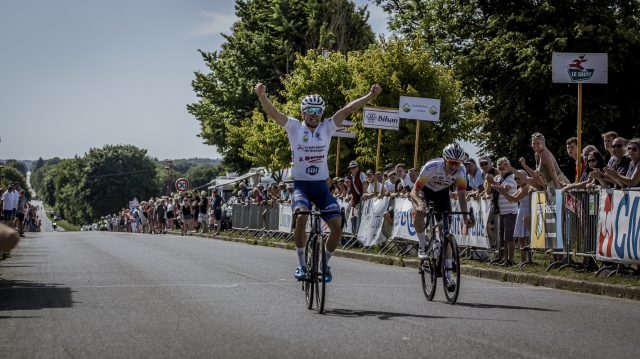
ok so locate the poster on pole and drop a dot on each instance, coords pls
(580, 68)
(345, 130)
(384, 118)
(419, 108)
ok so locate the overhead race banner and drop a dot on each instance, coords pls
(371, 219)
(580, 68)
(619, 227)
(386, 119)
(345, 130)
(403, 223)
(419, 108)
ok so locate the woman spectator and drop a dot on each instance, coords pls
(595, 166)
(187, 216)
(523, 219)
(169, 214)
(374, 188)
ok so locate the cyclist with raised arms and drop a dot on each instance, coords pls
(310, 140)
(433, 183)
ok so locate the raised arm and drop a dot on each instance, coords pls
(268, 107)
(354, 105)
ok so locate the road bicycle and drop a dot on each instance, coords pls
(315, 259)
(441, 248)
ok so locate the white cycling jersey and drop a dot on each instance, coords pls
(433, 175)
(309, 148)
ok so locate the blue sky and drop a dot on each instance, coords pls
(77, 74)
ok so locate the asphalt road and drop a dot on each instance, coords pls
(95, 295)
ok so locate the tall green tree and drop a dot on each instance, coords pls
(502, 53)
(262, 47)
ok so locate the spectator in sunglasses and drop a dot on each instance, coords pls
(595, 168)
(632, 179)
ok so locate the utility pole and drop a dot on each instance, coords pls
(170, 177)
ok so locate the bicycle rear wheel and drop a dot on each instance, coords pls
(428, 275)
(451, 269)
(321, 265)
(308, 285)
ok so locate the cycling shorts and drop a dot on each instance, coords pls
(317, 192)
(440, 199)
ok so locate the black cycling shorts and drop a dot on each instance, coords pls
(441, 200)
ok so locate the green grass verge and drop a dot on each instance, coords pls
(68, 226)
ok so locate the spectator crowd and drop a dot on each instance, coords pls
(17, 211)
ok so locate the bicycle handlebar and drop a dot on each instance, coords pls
(319, 212)
(446, 213)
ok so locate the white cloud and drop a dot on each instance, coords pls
(212, 23)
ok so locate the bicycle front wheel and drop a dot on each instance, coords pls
(308, 285)
(322, 268)
(451, 269)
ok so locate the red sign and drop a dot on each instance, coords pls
(182, 184)
(571, 203)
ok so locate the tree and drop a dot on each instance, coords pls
(501, 51)
(262, 47)
(10, 175)
(199, 176)
(114, 175)
(401, 67)
(21, 167)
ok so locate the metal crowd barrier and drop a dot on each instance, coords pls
(579, 213)
(578, 210)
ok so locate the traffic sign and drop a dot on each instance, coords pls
(182, 184)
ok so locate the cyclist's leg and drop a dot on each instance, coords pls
(300, 201)
(326, 202)
(420, 224)
(442, 203)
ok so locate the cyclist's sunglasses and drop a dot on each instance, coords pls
(313, 110)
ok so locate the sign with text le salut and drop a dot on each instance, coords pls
(386, 119)
(580, 68)
(419, 108)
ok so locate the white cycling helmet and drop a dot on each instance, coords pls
(454, 152)
(312, 101)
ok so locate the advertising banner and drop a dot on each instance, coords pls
(371, 219)
(383, 118)
(477, 236)
(580, 68)
(546, 220)
(345, 130)
(284, 217)
(619, 227)
(419, 108)
(403, 223)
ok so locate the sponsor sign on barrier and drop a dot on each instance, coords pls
(619, 227)
(403, 220)
(403, 223)
(284, 218)
(476, 237)
(546, 220)
(372, 217)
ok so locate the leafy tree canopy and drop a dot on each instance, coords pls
(262, 47)
(502, 53)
